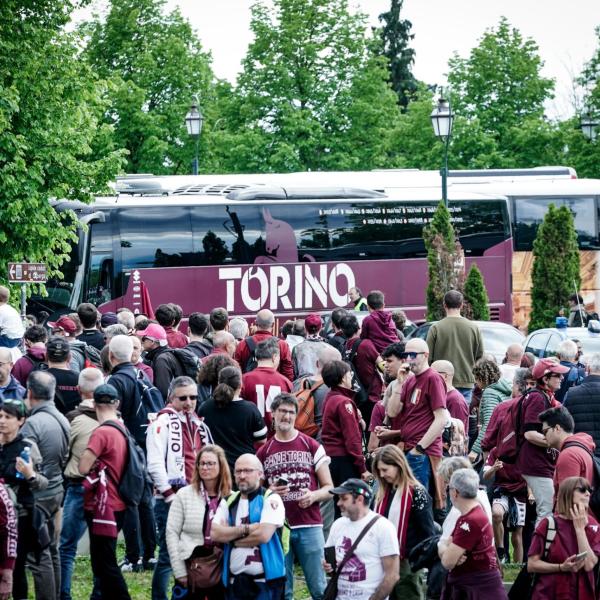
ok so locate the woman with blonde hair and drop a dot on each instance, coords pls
(406, 503)
(190, 518)
(566, 570)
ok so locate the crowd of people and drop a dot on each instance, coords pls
(236, 452)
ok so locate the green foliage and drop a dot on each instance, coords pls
(155, 65)
(555, 268)
(445, 261)
(48, 127)
(395, 38)
(312, 94)
(476, 296)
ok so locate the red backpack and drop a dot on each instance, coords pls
(305, 420)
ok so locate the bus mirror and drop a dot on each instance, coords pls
(82, 232)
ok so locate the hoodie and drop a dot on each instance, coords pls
(23, 367)
(573, 460)
(380, 329)
(491, 397)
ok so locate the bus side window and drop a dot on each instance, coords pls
(99, 286)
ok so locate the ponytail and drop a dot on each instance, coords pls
(230, 380)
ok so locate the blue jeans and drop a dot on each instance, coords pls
(306, 544)
(421, 468)
(6, 342)
(466, 394)
(73, 528)
(162, 571)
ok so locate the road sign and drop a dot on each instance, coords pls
(27, 272)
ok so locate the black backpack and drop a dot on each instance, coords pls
(252, 363)
(362, 392)
(37, 365)
(595, 497)
(134, 481)
(188, 361)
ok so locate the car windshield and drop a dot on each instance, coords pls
(497, 339)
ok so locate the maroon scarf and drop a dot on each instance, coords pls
(383, 508)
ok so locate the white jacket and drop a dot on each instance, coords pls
(166, 441)
(184, 527)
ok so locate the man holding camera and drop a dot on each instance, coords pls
(297, 468)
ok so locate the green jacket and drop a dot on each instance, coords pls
(491, 397)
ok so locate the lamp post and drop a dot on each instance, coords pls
(589, 126)
(194, 121)
(441, 119)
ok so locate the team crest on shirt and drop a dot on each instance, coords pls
(274, 504)
(466, 527)
(349, 408)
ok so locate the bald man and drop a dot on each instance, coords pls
(418, 409)
(265, 325)
(223, 343)
(514, 354)
(247, 523)
(10, 388)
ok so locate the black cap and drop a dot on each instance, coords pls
(106, 394)
(57, 349)
(353, 486)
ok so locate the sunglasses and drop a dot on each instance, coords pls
(584, 488)
(411, 355)
(189, 397)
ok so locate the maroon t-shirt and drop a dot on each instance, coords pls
(473, 532)
(536, 460)
(420, 396)
(297, 460)
(260, 386)
(377, 416)
(458, 407)
(110, 447)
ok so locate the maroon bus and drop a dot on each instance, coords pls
(292, 250)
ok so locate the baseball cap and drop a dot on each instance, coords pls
(66, 324)
(109, 318)
(313, 322)
(106, 394)
(548, 365)
(353, 486)
(57, 349)
(155, 332)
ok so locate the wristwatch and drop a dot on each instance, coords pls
(420, 449)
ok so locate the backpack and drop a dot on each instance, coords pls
(188, 361)
(595, 497)
(150, 398)
(91, 357)
(252, 363)
(134, 481)
(362, 392)
(37, 365)
(305, 420)
(574, 377)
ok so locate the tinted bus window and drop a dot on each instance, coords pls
(529, 213)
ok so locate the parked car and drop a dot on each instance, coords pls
(496, 336)
(544, 342)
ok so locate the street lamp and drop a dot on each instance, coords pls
(441, 119)
(194, 121)
(589, 126)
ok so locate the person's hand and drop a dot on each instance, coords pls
(25, 468)
(326, 566)
(403, 374)
(282, 490)
(462, 559)
(473, 456)
(367, 477)
(571, 565)
(182, 581)
(6, 583)
(498, 465)
(415, 452)
(306, 500)
(579, 516)
(386, 434)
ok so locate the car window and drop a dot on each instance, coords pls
(497, 339)
(552, 345)
(537, 344)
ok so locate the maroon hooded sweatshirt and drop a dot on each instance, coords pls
(380, 329)
(365, 363)
(24, 365)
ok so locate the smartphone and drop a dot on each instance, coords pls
(581, 556)
(282, 481)
(330, 556)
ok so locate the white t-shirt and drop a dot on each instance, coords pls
(248, 560)
(363, 573)
(452, 516)
(508, 371)
(10, 322)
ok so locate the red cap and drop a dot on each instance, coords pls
(548, 365)
(66, 324)
(313, 323)
(155, 332)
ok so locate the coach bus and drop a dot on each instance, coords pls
(292, 250)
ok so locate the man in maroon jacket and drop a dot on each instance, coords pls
(265, 323)
(378, 325)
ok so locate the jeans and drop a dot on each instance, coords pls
(342, 468)
(543, 492)
(419, 463)
(139, 531)
(73, 528)
(265, 591)
(306, 544)
(6, 342)
(467, 393)
(162, 571)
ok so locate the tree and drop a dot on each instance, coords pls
(555, 271)
(445, 260)
(48, 103)
(395, 38)
(312, 94)
(156, 66)
(476, 296)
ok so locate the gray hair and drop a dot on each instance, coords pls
(521, 377)
(179, 382)
(125, 318)
(593, 363)
(451, 464)
(465, 482)
(42, 385)
(89, 380)
(238, 327)
(267, 349)
(327, 354)
(567, 350)
(221, 339)
(121, 347)
(114, 330)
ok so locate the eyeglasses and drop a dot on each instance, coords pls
(282, 411)
(209, 464)
(188, 397)
(5, 363)
(546, 429)
(411, 355)
(244, 471)
(584, 488)
(559, 375)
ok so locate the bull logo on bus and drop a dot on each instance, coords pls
(287, 287)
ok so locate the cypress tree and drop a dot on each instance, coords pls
(476, 295)
(555, 273)
(445, 260)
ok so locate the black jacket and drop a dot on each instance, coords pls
(124, 378)
(583, 402)
(165, 366)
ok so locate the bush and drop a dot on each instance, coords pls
(476, 297)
